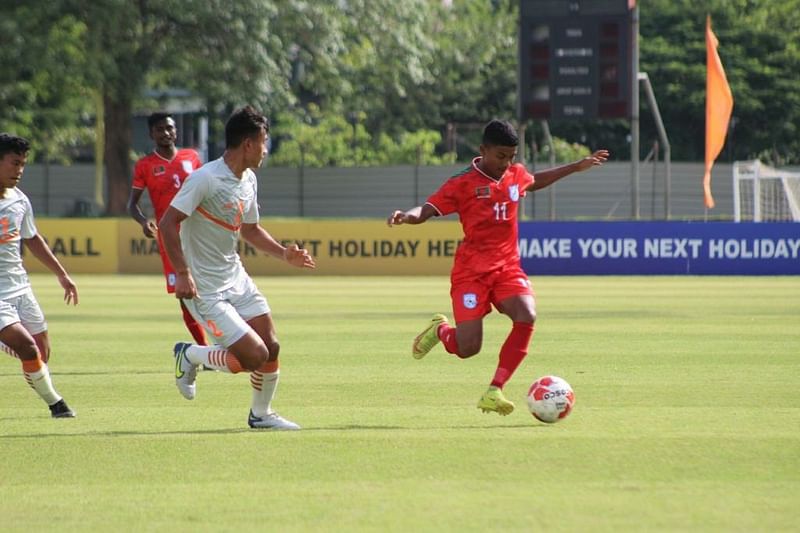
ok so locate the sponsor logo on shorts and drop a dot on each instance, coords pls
(171, 279)
(470, 300)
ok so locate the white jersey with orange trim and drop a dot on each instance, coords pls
(16, 223)
(217, 203)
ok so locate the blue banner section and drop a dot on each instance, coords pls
(660, 248)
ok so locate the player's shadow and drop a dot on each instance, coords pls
(128, 433)
(228, 431)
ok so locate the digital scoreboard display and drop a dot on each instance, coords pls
(575, 59)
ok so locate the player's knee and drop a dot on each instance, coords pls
(26, 351)
(528, 317)
(468, 348)
(256, 360)
(274, 348)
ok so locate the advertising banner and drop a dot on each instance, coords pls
(362, 247)
(369, 247)
(83, 246)
(660, 248)
(349, 247)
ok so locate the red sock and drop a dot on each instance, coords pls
(447, 334)
(513, 352)
(197, 331)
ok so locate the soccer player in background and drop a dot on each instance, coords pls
(216, 205)
(23, 329)
(162, 173)
(486, 270)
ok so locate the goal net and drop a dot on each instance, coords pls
(762, 193)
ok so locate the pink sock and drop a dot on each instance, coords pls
(513, 352)
(447, 334)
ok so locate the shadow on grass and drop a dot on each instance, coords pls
(228, 431)
(92, 373)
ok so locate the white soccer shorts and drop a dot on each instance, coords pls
(225, 314)
(24, 309)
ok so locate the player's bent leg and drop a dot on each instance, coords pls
(36, 373)
(428, 338)
(493, 400)
(43, 344)
(264, 380)
(469, 337)
(250, 350)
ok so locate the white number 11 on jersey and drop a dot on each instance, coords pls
(500, 210)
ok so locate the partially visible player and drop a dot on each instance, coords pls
(216, 205)
(23, 329)
(162, 173)
(486, 270)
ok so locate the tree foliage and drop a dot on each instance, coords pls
(44, 95)
(370, 77)
(758, 45)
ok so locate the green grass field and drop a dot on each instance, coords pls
(687, 414)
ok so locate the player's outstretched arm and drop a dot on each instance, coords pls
(415, 215)
(552, 175)
(42, 252)
(262, 240)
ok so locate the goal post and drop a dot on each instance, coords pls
(762, 193)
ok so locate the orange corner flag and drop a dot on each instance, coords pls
(719, 104)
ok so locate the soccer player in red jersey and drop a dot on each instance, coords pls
(162, 173)
(487, 271)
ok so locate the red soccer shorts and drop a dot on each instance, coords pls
(474, 296)
(169, 272)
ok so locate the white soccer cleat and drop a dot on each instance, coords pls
(185, 371)
(271, 421)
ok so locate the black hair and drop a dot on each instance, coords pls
(246, 122)
(157, 117)
(500, 133)
(12, 143)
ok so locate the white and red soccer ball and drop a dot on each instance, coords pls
(550, 399)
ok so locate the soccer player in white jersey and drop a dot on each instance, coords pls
(216, 204)
(23, 330)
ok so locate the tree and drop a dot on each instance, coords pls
(221, 48)
(758, 47)
(330, 139)
(43, 95)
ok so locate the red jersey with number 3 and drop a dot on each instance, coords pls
(488, 211)
(163, 177)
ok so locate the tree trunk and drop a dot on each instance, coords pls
(119, 138)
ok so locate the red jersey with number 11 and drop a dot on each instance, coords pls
(488, 210)
(163, 177)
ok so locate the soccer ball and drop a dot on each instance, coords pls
(550, 399)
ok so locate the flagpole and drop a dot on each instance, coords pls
(635, 114)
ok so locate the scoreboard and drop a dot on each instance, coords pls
(575, 59)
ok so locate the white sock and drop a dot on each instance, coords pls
(40, 382)
(264, 386)
(215, 356)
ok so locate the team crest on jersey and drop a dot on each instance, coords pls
(470, 300)
(159, 170)
(187, 166)
(513, 193)
(483, 192)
